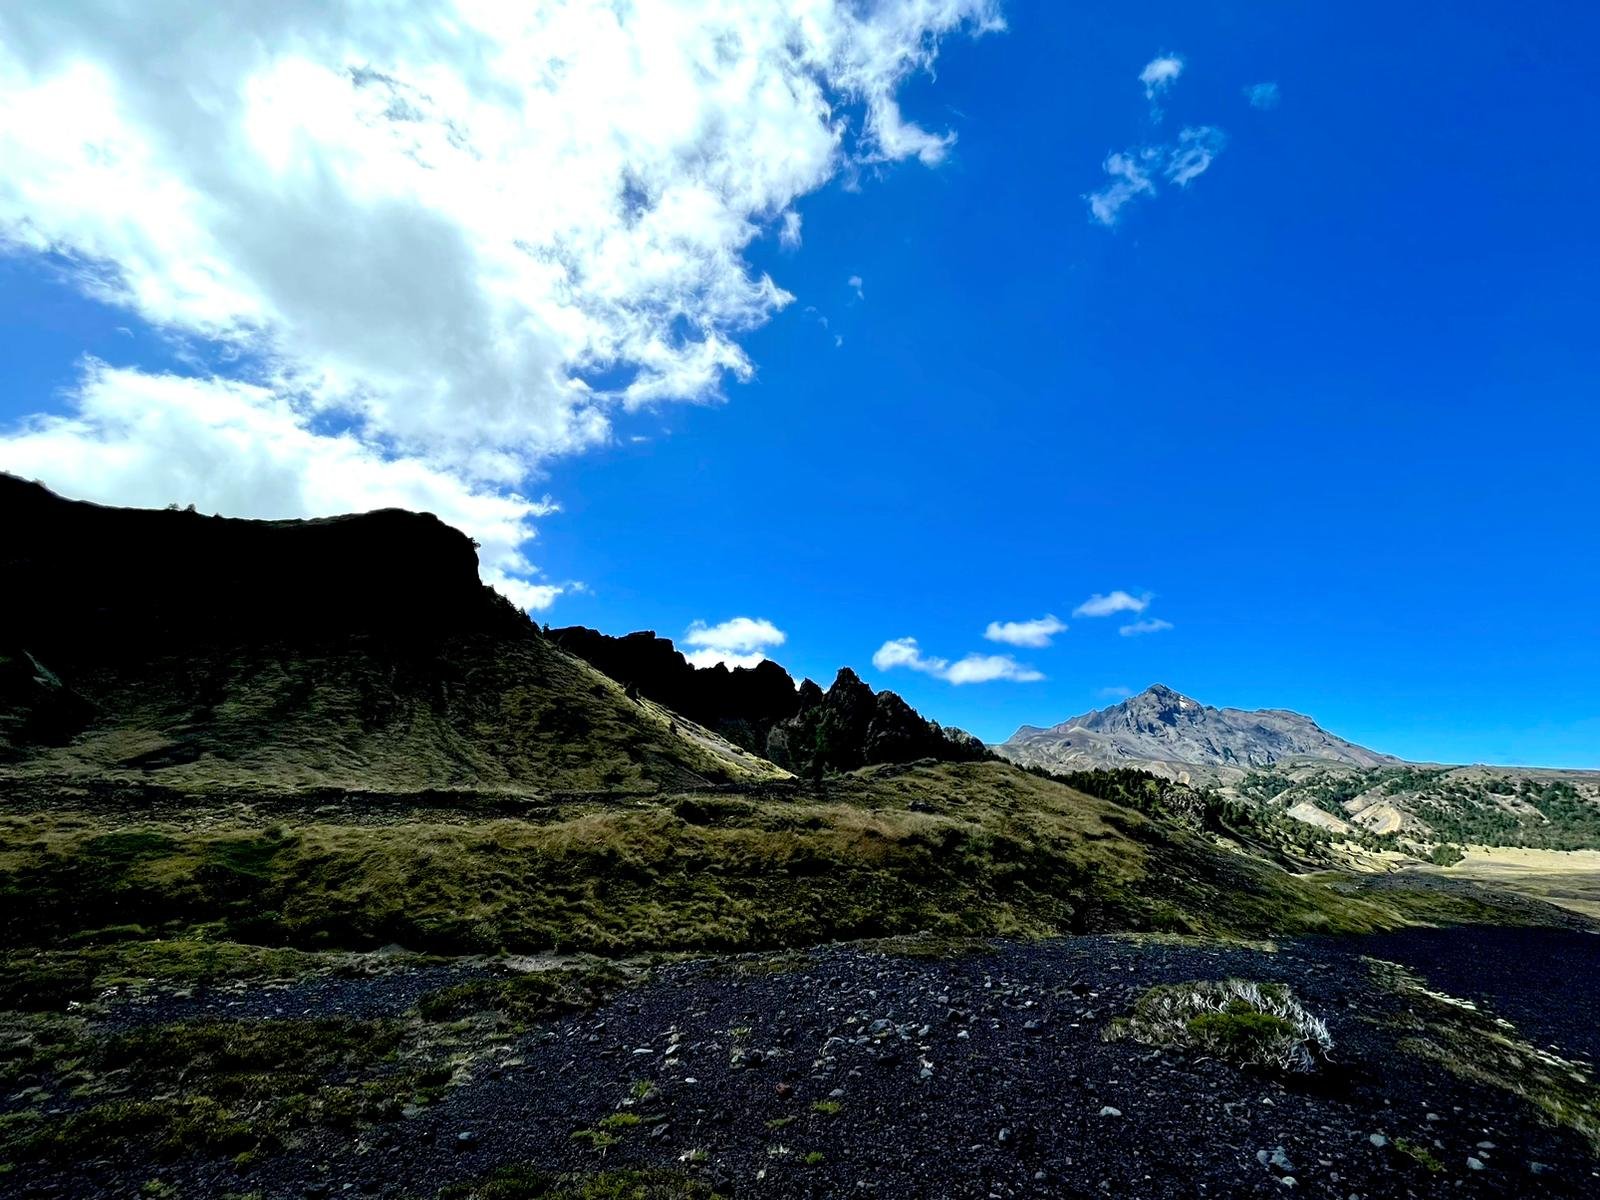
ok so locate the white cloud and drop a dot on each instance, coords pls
(739, 642)
(1262, 95)
(789, 231)
(1130, 177)
(1148, 625)
(1034, 633)
(985, 668)
(438, 234)
(1194, 153)
(974, 668)
(1114, 602)
(153, 440)
(1160, 73)
(1116, 692)
(854, 284)
(1133, 171)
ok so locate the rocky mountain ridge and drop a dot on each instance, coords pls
(1168, 733)
(798, 726)
(1286, 761)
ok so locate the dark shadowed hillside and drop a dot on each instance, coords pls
(356, 652)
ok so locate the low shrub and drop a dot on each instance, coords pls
(1251, 1024)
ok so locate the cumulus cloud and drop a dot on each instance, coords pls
(1160, 73)
(1099, 605)
(1262, 95)
(1148, 625)
(854, 284)
(1034, 634)
(232, 447)
(974, 668)
(467, 238)
(739, 642)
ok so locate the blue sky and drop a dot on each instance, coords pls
(1327, 410)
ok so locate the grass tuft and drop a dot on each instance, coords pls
(1243, 1022)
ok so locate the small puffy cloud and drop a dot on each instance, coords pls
(1159, 74)
(974, 668)
(1116, 692)
(854, 284)
(740, 642)
(1148, 625)
(789, 231)
(985, 668)
(1262, 95)
(1034, 634)
(904, 652)
(1099, 605)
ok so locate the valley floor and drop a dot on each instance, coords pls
(911, 1069)
(1568, 878)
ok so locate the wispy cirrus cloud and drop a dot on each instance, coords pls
(1104, 605)
(1263, 95)
(1136, 171)
(738, 642)
(974, 668)
(1032, 634)
(1148, 625)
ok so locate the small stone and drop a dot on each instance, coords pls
(1378, 1140)
(1474, 1164)
(1280, 1161)
(1108, 1111)
(466, 1138)
(1288, 1181)
(1486, 1145)
(783, 1089)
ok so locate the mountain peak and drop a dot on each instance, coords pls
(1162, 694)
(1163, 729)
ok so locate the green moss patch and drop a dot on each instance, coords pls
(525, 999)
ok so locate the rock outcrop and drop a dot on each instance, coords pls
(799, 727)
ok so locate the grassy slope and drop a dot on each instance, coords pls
(997, 852)
(486, 712)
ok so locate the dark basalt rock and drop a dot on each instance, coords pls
(799, 727)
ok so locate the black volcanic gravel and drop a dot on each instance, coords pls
(976, 1076)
